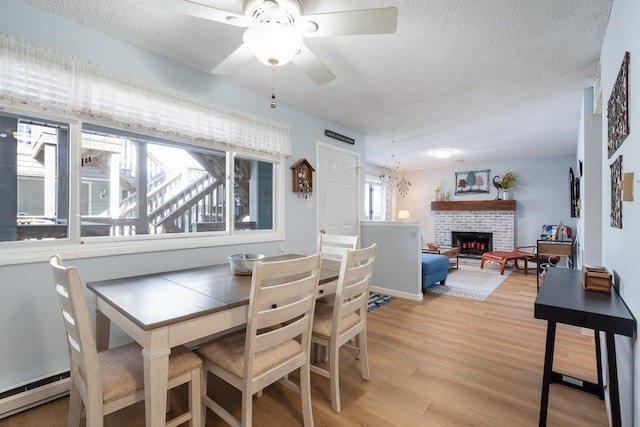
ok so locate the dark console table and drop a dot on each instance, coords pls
(563, 300)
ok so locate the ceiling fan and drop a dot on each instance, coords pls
(275, 29)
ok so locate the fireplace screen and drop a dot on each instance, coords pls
(472, 244)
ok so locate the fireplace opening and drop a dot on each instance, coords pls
(472, 244)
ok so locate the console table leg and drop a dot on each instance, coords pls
(616, 419)
(599, 364)
(548, 368)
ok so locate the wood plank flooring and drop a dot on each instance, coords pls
(443, 362)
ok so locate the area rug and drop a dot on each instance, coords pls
(378, 300)
(470, 282)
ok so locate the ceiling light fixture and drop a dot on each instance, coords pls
(443, 154)
(272, 43)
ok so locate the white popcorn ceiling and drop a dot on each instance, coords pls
(490, 79)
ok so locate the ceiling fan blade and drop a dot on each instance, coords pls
(366, 21)
(231, 63)
(199, 9)
(311, 65)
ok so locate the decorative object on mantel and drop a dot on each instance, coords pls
(302, 178)
(616, 194)
(472, 182)
(505, 183)
(442, 195)
(618, 109)
(403, 186)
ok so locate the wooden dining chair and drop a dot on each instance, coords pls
(276, 342)
(334, 246)
(105, 382)
(345, 321)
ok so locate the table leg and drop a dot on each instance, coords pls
(599, 364)
(548, 368)
(616, 419)
(102, 331)
(156, 373)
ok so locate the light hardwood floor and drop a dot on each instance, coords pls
(443, 362)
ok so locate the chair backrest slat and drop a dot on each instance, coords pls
(81, 342)
(354, 283)
(334, 246)
(281, 305)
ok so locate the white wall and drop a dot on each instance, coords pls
(589, 151)
(31, 330)
(543, 195)
(619, 246)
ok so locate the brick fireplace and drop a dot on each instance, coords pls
(480, 216)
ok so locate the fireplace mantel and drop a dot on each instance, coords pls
(475, 205)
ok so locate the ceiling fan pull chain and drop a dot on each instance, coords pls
(273, 89)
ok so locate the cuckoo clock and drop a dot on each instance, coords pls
(302, 178)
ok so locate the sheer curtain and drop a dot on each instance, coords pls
(51, 81)
(388, 184)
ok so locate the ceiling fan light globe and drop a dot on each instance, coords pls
(272, 43)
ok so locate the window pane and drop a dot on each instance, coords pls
(253, 195)
(34, 180)
(137, 186)
(374, 198)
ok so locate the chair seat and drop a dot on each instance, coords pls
(122, 369)
(322, 320)
(228, 353)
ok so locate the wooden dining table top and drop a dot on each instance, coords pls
(155, 300)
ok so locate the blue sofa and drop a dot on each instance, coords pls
(434, 269)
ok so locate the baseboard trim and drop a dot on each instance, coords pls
(396, 293)
(34, 393)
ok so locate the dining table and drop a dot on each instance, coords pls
(166, 309)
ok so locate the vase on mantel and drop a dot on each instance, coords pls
(506, 195)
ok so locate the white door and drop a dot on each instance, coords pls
(338, 190)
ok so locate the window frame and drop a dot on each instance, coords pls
(18, 252)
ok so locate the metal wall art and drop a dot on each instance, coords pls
(616, 193)
(618, 109)
(574, 189)
(472, 182)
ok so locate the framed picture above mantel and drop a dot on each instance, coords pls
(472, 182)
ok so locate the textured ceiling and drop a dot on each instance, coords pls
(489, 79)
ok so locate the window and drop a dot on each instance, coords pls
(163, 164)
(133, 185)
(374, 198)
(34, 194)
(137, 185)
(130, 185)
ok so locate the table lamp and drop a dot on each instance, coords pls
(403, 215)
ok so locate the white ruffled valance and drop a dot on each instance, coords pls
(72, 87)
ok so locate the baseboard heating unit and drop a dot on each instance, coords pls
(35, 392)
